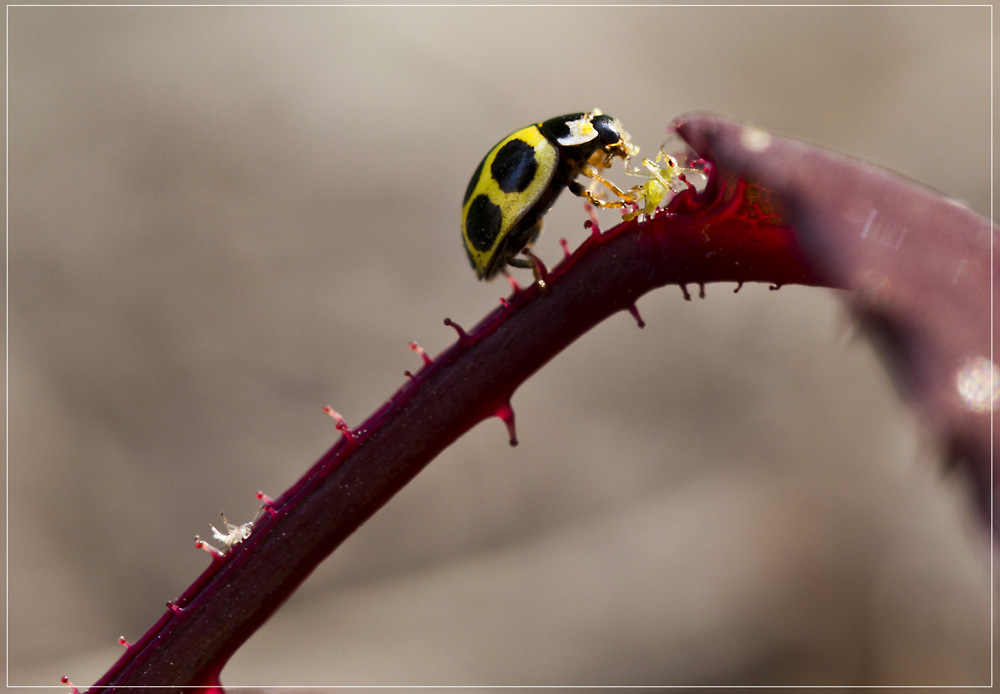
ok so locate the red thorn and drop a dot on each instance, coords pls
(420, 350)
(565, 247)
(703, 165)
(739, 286)
(506, 413)
(122, 641)
(593, 224)
(65, 680)
(634, 310)
(409, 374)
(174, 607)
(701, 290)
(201, 544)
(687, 294)
(463, 336)
(504, 302)
(267, 503)
(341, 424)
(513, 283)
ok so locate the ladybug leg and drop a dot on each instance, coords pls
(576, 188)
(591, 171)
(529, 262)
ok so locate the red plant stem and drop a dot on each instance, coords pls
(728, 233)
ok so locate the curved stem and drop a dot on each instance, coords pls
(728, 233)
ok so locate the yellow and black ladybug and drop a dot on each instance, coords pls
(519, 179)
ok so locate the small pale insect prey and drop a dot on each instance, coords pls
(519, 179)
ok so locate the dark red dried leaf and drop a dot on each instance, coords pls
(917, 262)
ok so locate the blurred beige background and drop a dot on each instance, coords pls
(222, 219)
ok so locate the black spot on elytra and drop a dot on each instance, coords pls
(482, 223)
(514, 166)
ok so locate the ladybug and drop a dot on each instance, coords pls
(519, 179)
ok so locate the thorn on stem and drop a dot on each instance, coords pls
(341, 424)
(267, 503)
(201, 544)
(513, 282)
(774, 287)
(634, 310)
(565, 247)
(65, 680)
(506, 413)
(122, 641)
(739, 286)
(463, 337)
(687, 294)
(506, 304)
(701, 290)
(420, 350)
(174, 607)
(593, 224)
